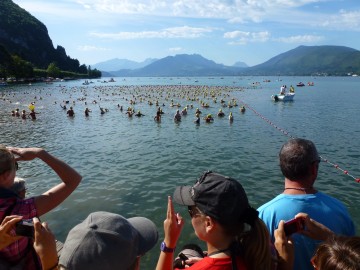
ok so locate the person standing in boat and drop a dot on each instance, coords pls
(299, 163)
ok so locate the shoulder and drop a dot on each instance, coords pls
(281, 198)
(25, 208)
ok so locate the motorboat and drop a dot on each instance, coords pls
(300, 84)
(285, 97)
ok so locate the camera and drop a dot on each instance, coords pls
(294, 225)
(25, 228)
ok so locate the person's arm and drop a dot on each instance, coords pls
(314, 229)
(8, 223)
(45, 245)
(284, 247)
(173, 225)
(56, 195)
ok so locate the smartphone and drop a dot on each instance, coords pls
(294, 225)
(25, 228)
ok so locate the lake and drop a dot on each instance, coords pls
(131, 165)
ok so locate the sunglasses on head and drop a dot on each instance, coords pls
(193, 212)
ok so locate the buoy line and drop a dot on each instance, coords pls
(286, 133)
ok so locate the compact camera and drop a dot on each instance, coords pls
(25, 228)
(294, 225)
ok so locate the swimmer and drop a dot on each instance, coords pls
(71, 112)
(209, 118)
(231, 118)
(17, 113)
(33, 114)
(221, 113)
(87, 111)
(242, 109)
(177, 116)
(197, 120)
(23, 114)
(139, 114)
(184, 111)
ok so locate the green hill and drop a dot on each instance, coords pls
(310, 60)
(23, 35)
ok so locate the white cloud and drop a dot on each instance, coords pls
(346, 20)
(242, 38)
(89, 48)
(174, 32)
(300, 39)
(175, 49)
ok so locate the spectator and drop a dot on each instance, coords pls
(299, 163)
(222, 217)
(21, 252)
(335, 253)
(108, 241)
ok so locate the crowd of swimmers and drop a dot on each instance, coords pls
(236, 235)
(205, 97)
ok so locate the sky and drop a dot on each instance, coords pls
(225, 31)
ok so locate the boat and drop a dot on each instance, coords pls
(300, 84)
(286, 97)
(3, 83)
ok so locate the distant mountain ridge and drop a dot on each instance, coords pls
(117, 64)
(308, 60)
(303, 60)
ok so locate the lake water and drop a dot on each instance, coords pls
(130, 165)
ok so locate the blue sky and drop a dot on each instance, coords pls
(225, 31)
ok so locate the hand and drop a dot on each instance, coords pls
(45, 245)
(173, 225)
(8, 224)
(25, 153)
(285, 247)
(314, 229)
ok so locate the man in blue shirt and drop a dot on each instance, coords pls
(299, 163)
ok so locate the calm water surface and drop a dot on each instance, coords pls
(129, 166)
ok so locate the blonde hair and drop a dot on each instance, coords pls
(255, 244)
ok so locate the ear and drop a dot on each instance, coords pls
(209, 224)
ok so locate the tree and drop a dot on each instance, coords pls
(20, 68)
(53, 70)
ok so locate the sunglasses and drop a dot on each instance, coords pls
(193, 212)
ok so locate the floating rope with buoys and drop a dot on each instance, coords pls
(286, 133)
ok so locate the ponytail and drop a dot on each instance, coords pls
(256, 246)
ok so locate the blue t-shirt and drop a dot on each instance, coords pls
(320, 207)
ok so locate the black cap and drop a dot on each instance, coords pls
(218, 196)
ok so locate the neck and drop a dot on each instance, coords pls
(295, 187)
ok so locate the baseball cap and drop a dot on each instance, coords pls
(107, 241)
(218, 196)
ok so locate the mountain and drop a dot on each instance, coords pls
(180, 65)
(240, 64)
(117, 64)
(303, 60)
(309, 60)
(23, 35)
